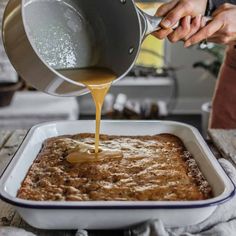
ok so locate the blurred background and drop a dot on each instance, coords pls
(168, 82)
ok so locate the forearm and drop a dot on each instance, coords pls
(214, 4)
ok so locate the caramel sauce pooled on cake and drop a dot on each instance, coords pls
(85, 153)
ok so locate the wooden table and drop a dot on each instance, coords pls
(9, 143)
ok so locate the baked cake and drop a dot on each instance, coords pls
(140, 168)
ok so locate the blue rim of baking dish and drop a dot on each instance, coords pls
(116, 207)
(34, 204)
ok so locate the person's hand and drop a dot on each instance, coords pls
(183, 11)
(222, 29)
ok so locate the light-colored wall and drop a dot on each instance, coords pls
(196, 85)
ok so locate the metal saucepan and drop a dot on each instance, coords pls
(42, 36)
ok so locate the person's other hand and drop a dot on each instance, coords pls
(222, 29)
(179, 11)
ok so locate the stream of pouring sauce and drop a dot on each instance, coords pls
(98, 81)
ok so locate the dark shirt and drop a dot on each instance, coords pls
(214, 4)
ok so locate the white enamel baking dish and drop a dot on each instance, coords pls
(116, 214)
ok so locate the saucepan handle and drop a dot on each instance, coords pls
(151, 24)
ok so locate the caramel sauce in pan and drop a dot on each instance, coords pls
(98, 81)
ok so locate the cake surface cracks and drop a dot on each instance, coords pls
(135, 168)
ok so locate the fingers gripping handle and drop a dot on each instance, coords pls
(152, 23)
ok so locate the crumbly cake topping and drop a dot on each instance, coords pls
(150, 168)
